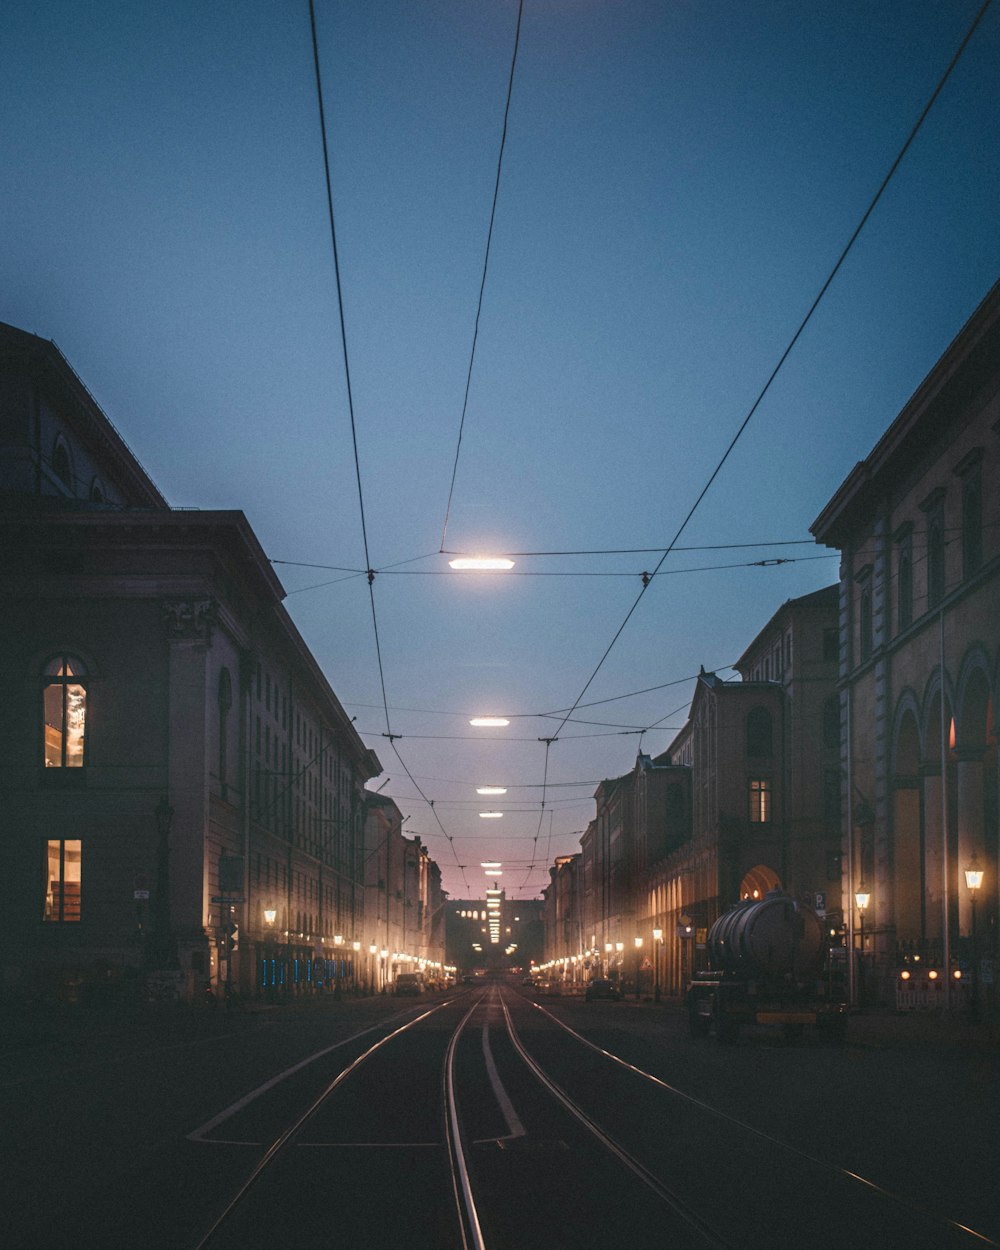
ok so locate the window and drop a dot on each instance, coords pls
(61, 465)
(972, 525)
(831, 796)
(64, 698)
(759, 734)
(865, 623)
(904, 584)
(760, 802)
(62, 881)
(225, 703)
(831, 723)
(933, 508)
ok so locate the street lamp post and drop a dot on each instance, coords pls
(862, 898)
(270, 915)
(658, 940)
(974, 880)
(638, 967)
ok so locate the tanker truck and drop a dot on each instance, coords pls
(769, 965)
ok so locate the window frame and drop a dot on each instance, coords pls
(72, 914)
(72, 671)
(760, 799)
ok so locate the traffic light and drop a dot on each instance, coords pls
(233, 933)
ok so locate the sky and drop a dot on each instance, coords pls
(678, 180)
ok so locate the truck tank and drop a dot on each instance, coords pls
(774, 936)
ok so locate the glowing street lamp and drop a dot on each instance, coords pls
(862, 897)
(482, 563)
(489, 722)
(490, 815)
(491, 789)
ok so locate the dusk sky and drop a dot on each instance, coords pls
(679, 178)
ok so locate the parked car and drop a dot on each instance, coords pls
(601, 988)
(408, 983)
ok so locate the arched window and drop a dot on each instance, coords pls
(97, 494)
(759, 734)
(64, 712)
(225, 703)
(61, 465)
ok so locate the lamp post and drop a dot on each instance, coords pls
(862, 898)
(974, 880)
(658, 939)
(638, 967)
(270, 915)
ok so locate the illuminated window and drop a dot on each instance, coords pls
(760, 801)
(64, 698)
(62, 881)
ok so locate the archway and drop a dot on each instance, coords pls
(758, 881)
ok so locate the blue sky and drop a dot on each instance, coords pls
(678, 180)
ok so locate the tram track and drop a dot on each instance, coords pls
(517, 1142)
(964, 1233)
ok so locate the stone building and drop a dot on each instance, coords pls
(182, 791)
(918, 528)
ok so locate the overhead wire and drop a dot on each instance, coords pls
(794, 339)
(486, 262)
(350, 401)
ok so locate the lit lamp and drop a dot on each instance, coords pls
(658, 939)
(270, 915)
(862, 897)
(974, 880)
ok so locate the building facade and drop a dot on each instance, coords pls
(916, 524)
(183, 794)
(745, 800)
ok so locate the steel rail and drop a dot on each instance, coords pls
(676, 1203)
(465, 1205)
(825, 1164)
(293, 1130)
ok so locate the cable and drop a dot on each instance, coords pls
(788, 350)
(343, 343)
(486, 261)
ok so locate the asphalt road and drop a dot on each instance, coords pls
(141, 1133)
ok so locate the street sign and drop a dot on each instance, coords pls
(140, 894)
(227, 898)
(820, 902)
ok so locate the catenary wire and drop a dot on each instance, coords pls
(486, 262)
(794, 339)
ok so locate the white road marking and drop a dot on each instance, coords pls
(514, 1126)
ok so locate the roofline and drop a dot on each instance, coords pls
(859, 483)
(52, 365)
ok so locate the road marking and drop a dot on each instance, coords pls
(514, 1126)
